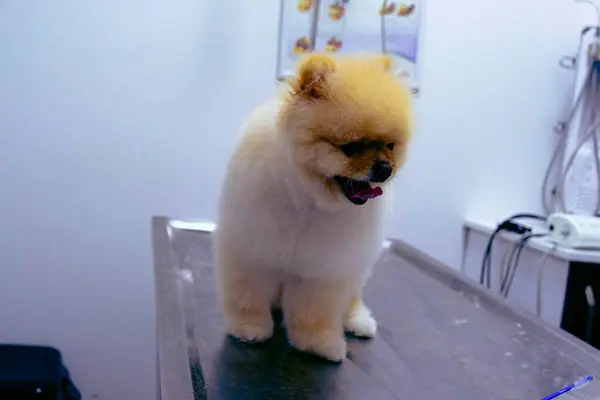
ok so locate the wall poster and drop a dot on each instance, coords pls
(390, 27)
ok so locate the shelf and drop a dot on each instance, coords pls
(539, 244)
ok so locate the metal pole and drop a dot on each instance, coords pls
(314, 27)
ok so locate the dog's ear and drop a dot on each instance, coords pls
(386, 62)
(312, 76)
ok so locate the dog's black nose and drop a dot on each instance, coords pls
(380, 171)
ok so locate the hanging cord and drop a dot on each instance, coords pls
(538, 303)
(508, 225)
(505, 259)
(589, 86)
(562, 129)
(513, 263)
(592, 126)
(560, 190)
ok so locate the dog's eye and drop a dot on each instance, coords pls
(353, 148)
(390, 146)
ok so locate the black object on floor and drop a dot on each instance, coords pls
(34, 372)
(577, 318)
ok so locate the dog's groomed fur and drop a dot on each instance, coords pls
(301, 221)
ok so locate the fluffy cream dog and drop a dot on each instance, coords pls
(301, 218)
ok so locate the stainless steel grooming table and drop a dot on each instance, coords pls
(440, 337)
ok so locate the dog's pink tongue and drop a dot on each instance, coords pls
(369, 193)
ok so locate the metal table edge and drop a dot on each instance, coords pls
(174, 382)
(572, 345)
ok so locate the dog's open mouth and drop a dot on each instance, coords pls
(358, 192)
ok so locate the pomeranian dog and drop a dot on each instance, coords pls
(301, 212)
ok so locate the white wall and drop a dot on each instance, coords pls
(111, 111)
(491, 92)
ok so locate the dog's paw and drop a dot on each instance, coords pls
(361, 323)
(332, 350)
(251, 333)
(362, 326)
(328, 345)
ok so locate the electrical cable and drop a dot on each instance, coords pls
(512, 268)
(485, 260)
(511, 259)
(587, 91)
(507, 224)
(563, 177)
(593, 96)
(562, 129)
(507, 270)
(505, 258)
(538, 304)
(555, 157)
(559, 189)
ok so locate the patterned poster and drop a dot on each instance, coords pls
(353, 26)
